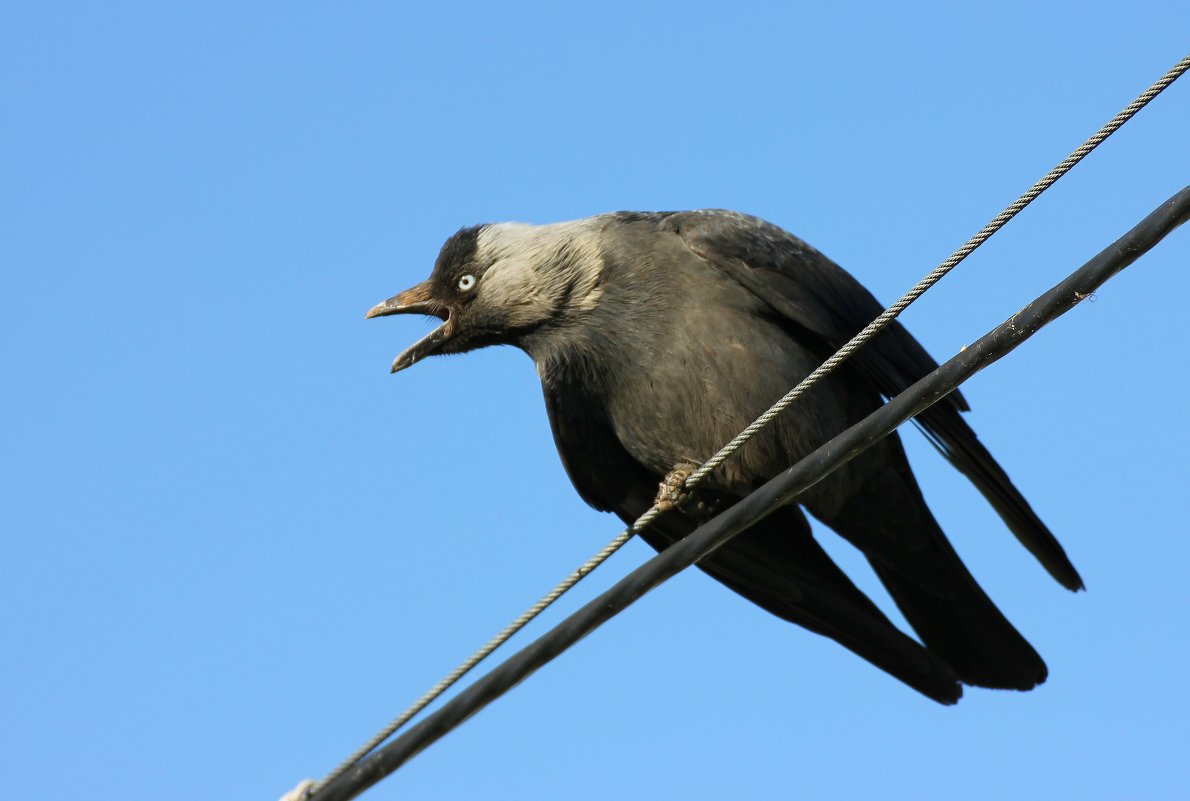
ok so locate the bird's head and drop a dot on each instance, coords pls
(495, 284)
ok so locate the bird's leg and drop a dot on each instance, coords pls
(673, 495)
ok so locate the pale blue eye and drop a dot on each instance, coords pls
(466, 282)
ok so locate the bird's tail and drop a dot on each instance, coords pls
(947, 431)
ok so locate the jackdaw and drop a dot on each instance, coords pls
(660, 335)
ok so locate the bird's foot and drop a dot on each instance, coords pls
(673, 495)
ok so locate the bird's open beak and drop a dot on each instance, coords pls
(418, 300)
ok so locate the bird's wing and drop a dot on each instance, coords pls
(776, 564)
(809, 290)
(821, 300)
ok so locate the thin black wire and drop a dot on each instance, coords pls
(873, 328)
(778, 492)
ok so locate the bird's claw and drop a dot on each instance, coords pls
(673, 495)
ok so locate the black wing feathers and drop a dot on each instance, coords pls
(779, 566)
(776, 564)
(820, 297)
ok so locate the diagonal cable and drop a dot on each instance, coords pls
(717, 460)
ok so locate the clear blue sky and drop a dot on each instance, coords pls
(234, 546)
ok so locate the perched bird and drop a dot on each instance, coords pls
(660, 335)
